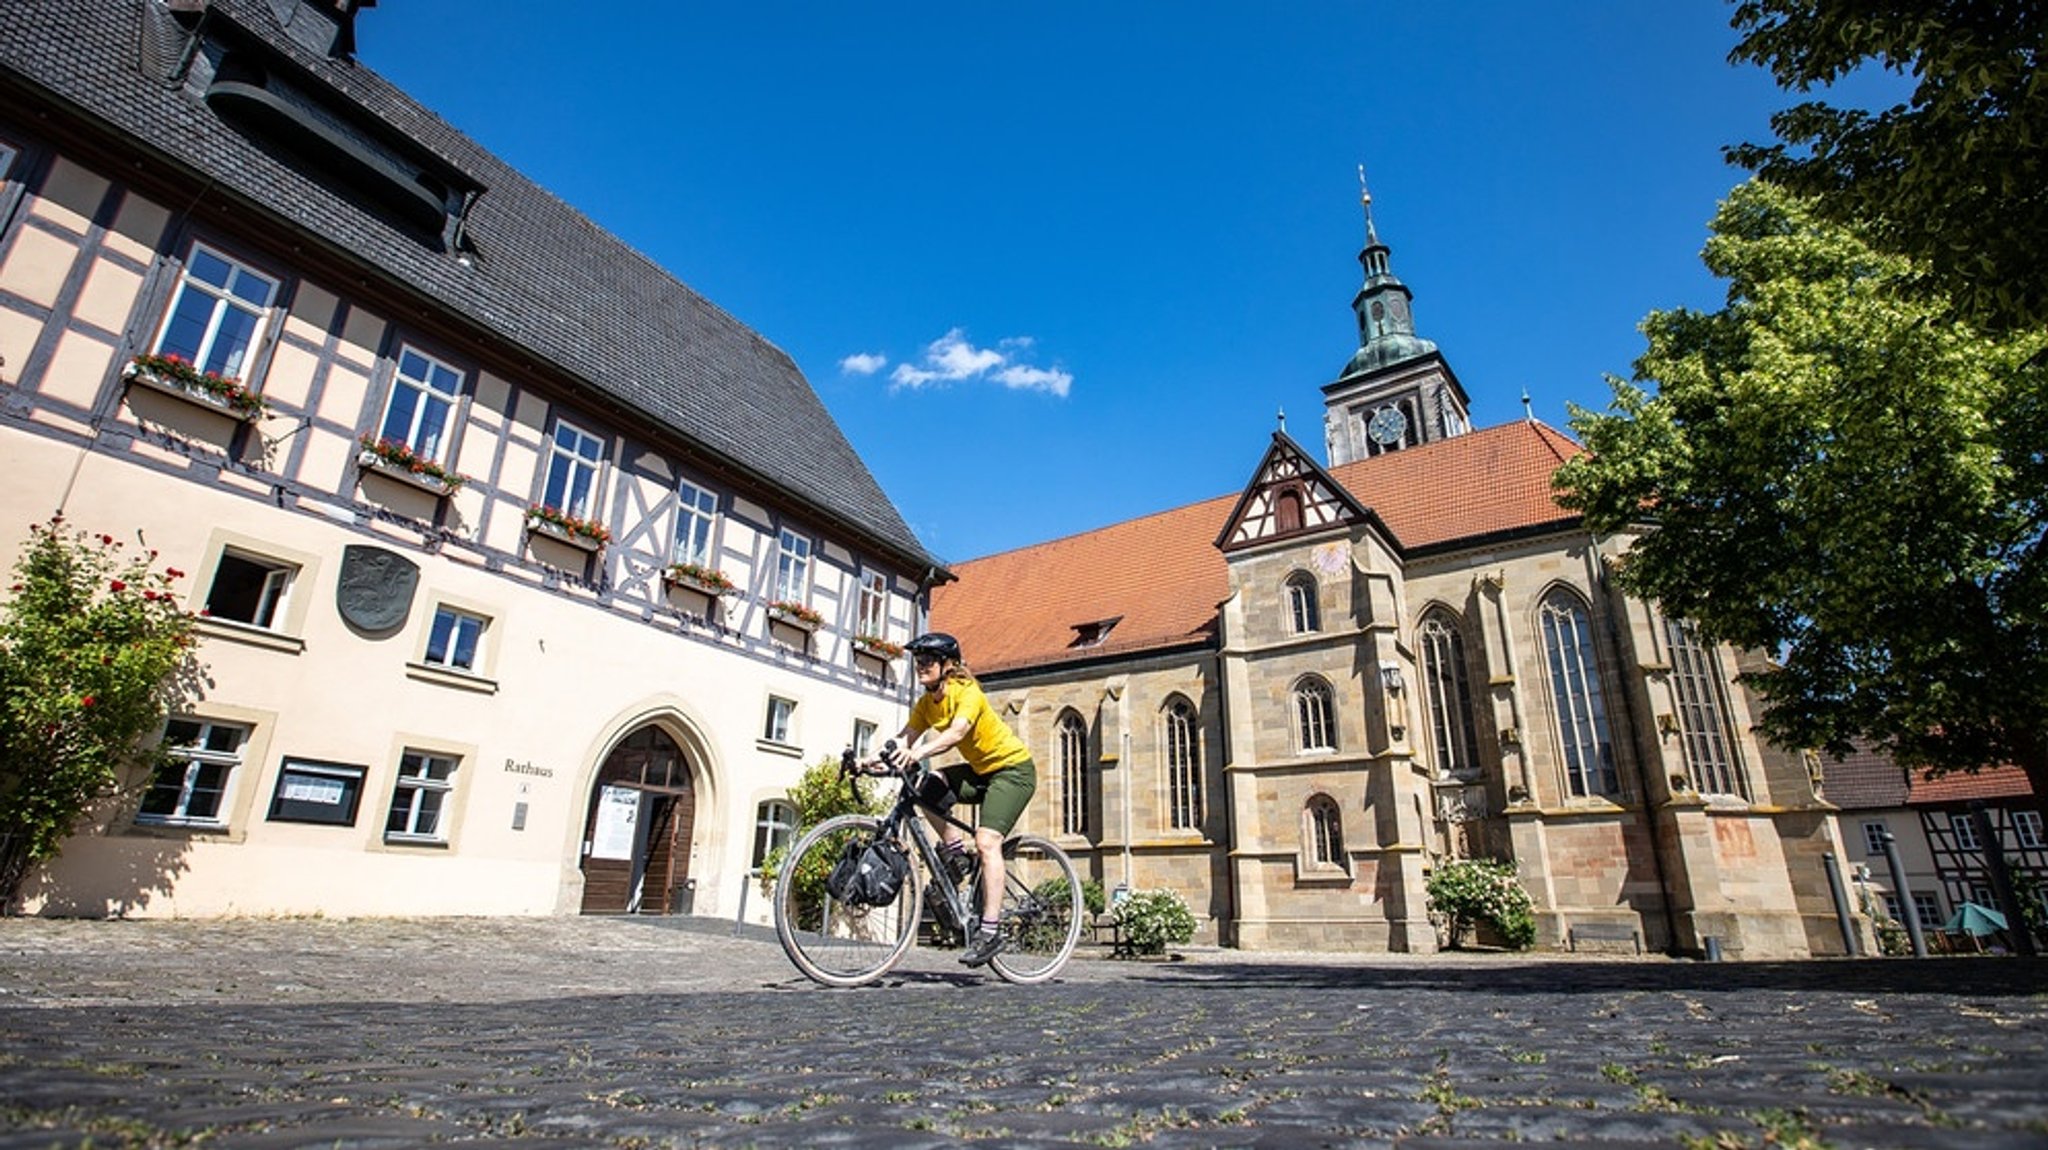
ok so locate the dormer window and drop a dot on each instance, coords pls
(1093, 634)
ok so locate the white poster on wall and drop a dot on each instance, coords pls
(618, 817)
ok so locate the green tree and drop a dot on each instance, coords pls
(1956, 176)
(1836, 473)
(821, 793)
(94, 649)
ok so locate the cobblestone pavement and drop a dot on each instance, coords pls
(637, 1033)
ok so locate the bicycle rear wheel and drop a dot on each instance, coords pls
(830, 941)
(1041, 910)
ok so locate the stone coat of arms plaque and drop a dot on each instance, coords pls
(376, 586)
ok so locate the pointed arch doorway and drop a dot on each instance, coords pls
(636, 834)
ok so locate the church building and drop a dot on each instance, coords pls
(1289, 703)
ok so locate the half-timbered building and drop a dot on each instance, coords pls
(532, 579)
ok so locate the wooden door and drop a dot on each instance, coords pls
(637, 831)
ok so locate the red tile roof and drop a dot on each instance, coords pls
(1162, 577)
(2003, 782)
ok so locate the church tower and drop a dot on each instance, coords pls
(1397, 391)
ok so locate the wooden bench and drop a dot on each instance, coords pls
(1106, 924)
(1603, 932)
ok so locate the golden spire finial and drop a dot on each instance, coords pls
(1365, 202)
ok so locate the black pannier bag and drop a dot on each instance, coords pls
(869, 872)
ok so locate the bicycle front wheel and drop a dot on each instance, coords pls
(1041, 910)
(833, 942)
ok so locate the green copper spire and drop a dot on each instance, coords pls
(1386, 325)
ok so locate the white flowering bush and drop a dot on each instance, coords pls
(1153, 920)
(1467, 891)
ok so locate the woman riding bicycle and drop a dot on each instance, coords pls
(953, 714)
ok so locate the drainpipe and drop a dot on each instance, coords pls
(1126, 790)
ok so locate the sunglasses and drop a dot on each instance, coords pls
(927, 661)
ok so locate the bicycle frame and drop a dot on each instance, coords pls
(904, 819)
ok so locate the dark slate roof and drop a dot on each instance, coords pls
(547, 282)
(1867, 780)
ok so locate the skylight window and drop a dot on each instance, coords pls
(1093, 634)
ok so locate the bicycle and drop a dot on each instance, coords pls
(840, 944)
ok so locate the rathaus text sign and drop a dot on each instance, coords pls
(515, 767)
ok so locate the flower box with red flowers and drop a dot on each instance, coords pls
(697, 577)
(389, 457)
(583, 534)
(877, 646)
(175, 376)
(795, 614)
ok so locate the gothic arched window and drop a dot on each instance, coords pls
(1323, 829)
(1072, 751)
(1703, 729)
(1314, 729)
(1302, 617)
(1447, 694)
(1583, 736)
(1183, 742)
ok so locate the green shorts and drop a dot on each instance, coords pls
(1002, 796)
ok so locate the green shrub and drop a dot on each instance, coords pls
(819, 795)
(1468, 891)
(1153, 920)
(1054, 890)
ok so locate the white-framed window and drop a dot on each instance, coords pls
(1323, 828)
(192, 786)
(420, 414)
(792, 567)
(696, 516)
(420, 798)
(1302, 616)
(1575, 691)
(774, 827)
(2026, 828)
(1704, 731)
(249, 588)
(863, 739)
(217, 314)
(1928, 907)
(1314, 726)
(573, 460)
(1183, 741)
(1873, 838)
(455, 640)
(874, 605)
(1447, 695)
(1964, 828)
(780, 725)
(1071, 749)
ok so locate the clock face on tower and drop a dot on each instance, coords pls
(1388, 426)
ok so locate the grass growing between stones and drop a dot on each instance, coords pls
(119, 1133)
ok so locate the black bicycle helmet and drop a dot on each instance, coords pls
(935, 644)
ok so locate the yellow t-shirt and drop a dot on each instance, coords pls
(990, 744)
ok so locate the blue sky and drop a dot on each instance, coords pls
(1060, 264)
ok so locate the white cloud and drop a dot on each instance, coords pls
(1022, 378)
(951, 358)
(863, 363)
